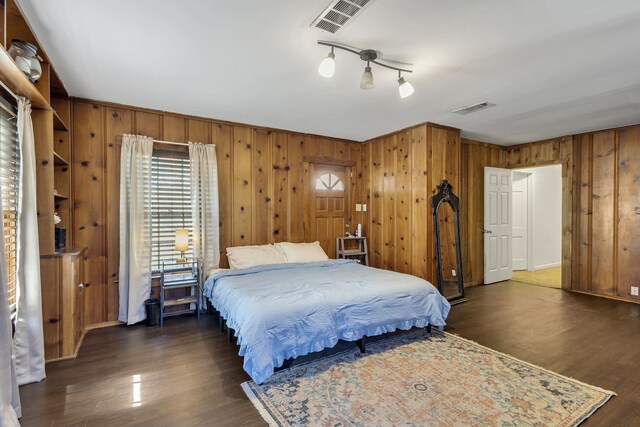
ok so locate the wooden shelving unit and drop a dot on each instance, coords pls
(58, 160)
(61, 271)
(58, 123)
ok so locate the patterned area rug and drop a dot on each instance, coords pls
(419, 380)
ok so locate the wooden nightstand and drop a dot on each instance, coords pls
(353, 248)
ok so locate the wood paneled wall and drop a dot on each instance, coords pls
(261, 184)
(400, 172)
(607, 216)
(263, 177)
(474, 156)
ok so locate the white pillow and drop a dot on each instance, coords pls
(249, 256)
(303, 252)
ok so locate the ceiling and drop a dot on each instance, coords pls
(552, 67)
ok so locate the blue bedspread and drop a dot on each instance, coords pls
(280, 311)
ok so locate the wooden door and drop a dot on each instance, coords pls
(329, 204)
(497, 225)
(51, 310)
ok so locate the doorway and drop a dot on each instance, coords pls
(523, 225)
(329, 204)
(537, 225)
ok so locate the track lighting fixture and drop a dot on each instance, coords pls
(328, 65)
(327, 68)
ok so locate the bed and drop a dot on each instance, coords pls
(283, 311)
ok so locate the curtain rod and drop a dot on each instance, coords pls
(159, 141)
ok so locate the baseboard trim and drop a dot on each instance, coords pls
(103, 325)
(543, 266)
(611, 297)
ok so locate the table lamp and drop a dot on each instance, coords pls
(182, 244)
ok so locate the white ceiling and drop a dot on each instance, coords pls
(552, 67)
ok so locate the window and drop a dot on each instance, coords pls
(170, 205)
(9, 178)
(329, 182)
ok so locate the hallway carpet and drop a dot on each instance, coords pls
(549, 277)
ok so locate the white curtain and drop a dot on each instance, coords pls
(28, 339)
(9, 396)
(204, 204)
(135, 227)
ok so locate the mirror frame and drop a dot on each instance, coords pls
(445, 195)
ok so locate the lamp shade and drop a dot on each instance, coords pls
(327, 66)
(404, 88)
(366, 82)
(182, 240)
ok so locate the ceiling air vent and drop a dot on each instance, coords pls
(338, 14)
(473, 108)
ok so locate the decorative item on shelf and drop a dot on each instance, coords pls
(359, 230)
(60, 237)
(182, 244)
(26, 57)
(328, 65)
(56, 218)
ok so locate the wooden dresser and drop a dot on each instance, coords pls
(63, 311)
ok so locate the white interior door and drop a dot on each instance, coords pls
(520, 234)
(497, 225)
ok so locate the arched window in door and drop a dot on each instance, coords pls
(329, 182)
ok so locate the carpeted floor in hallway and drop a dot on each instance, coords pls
(549, 277)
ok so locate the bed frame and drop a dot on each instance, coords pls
(222, 323)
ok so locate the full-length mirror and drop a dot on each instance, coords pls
(446, 225)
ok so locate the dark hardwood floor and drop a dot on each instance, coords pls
(187, 375)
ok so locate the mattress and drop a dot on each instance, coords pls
(282, 311)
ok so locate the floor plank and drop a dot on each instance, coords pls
(188, 375)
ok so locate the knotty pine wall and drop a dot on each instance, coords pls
(607, 212)
(261, 176)
(474, 156)
(400, 172)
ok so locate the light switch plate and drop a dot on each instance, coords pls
(634, 291)
(364, 207)
(358, 207)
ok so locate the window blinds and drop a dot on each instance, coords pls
(9, 179)
(170, 205)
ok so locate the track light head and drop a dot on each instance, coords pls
(366, 82)
(404, 88)
(328, 65)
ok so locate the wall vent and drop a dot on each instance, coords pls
(338, 14)
(473, 108)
